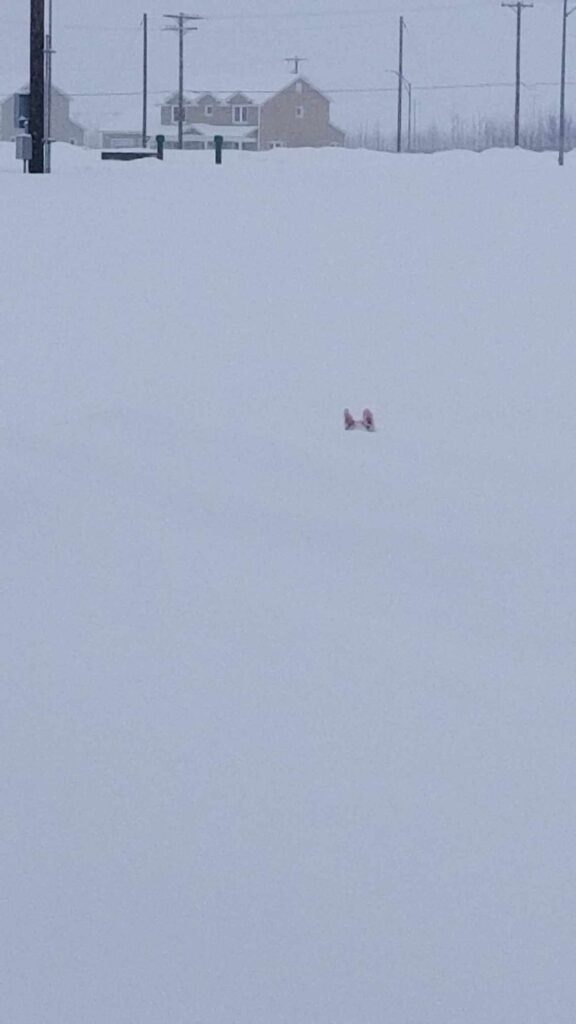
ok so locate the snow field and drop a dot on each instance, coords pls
(288, 712)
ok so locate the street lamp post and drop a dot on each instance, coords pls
(400, 84)
(562, 124)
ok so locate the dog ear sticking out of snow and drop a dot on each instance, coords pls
(366, 423)
(368, 420)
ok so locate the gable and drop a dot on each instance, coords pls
(173, 100)
(26, 88)
(239, 99)
(207, 98)
(301, 87)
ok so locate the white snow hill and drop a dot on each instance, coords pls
(288, 713)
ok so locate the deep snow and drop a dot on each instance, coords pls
(287, 712)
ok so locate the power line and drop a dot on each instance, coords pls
(386, 10)
(335, 91)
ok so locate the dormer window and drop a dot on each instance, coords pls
(299, 111)
(240, 115)
(208, 110)
(176, 114)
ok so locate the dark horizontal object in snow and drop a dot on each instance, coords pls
(135, 154)
(127, 154)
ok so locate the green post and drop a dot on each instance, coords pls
(218, 143)
(160, 140)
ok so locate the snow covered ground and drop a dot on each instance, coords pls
(288, 713)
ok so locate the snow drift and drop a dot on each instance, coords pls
(288, 712)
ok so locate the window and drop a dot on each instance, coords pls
(240, 115)
(176, 114)
(208, 110)
(299, 111)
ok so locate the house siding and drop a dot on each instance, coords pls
(63, 128)
(222, 113)
(279, 122)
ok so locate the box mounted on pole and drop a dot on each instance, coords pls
(22, 111)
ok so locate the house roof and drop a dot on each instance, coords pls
(291, 87)
(7, 94)
(174, 97)
(203, 97)
(239, 98)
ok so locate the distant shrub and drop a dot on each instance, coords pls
(474, 134)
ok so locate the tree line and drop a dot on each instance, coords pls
(475, 134)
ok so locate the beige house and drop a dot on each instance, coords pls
(298, 115)
(235, 118)
(63, 128)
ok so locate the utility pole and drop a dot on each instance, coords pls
(48, 51)
(518, 7)
(295, 62)
(37, 113)
(400, 85)
(562, 124)
(144, 82)
(403, 81)
(182, 27)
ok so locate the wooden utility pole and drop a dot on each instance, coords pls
(518, 7)
(48, 94)
(182, 27)
(37, 112)
(145, 82)
(400, 85)
(562, 123)
(180, 82)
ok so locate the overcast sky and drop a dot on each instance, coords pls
(348, 44)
